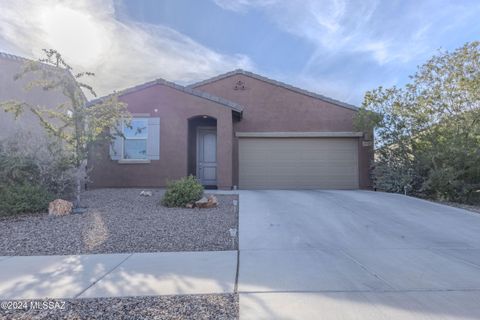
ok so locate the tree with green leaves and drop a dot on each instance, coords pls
(428, 132)
(75, 123)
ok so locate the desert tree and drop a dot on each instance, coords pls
(428, 132)
(75, 123)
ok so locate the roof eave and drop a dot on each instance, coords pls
(12, 57)
(198, 93)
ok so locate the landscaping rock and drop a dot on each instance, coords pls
(185, 307)
(189, 205)
(146, 193)
(202, 203)
(60, 207)
(120, 221)
(206, 203)
(213, 201)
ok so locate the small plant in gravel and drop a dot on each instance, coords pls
(181, 192)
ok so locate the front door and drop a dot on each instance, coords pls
(207, 156)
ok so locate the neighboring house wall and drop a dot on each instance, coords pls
(268, 107)
(174, 108)
(27, 124)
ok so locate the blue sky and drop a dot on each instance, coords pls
(338, 48)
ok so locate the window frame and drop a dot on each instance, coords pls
(125, 138)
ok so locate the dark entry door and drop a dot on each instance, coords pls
(207, 156)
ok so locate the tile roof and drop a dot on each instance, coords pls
(202, 94)
(276, 83)
(9, 56)
(12, 57)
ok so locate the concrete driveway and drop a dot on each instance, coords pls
(356, 255)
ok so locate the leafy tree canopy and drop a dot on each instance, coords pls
(75, 123)
(428, 132)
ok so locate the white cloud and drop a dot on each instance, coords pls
(386, 31)
(242, 5)
(361, 44)
(121, 53)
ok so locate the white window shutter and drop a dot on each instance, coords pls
(153, 140)
(116, 144)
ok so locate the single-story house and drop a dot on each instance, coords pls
(238, 129)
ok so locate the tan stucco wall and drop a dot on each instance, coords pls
(174, 109)
(10, 89)
(268, 107)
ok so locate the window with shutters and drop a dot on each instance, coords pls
(135, 139)
(139, 143)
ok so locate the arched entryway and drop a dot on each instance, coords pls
(202, 149)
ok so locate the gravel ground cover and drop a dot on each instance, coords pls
(120, 221)
(469, 207)
(223, 306)
(462, 206)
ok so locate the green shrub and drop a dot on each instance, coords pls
(24, 198)
(427, 133)
(181, 192)
(25, 160)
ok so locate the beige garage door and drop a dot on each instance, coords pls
(298, 163)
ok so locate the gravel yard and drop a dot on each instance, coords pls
(473, 208)
(120, 221)
(223, 306)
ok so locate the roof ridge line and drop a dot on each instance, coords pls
(23, 59)
(277, 83)
(196, 92)
(13, 56)
(43, 64)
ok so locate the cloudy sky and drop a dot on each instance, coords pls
(338, 48)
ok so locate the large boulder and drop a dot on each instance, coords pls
(205, 203)
(212, 201)
(60, 207)
(202, 203)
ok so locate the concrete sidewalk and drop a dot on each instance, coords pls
(117, 275)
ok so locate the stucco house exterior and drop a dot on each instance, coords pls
(27, 126)
(237, 129)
